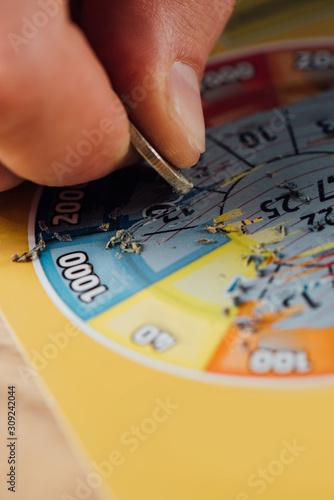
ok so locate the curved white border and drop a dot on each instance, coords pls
(202, 376)
(163, 366)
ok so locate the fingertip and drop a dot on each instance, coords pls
(171, 117)
(185, 105)
(158, 85)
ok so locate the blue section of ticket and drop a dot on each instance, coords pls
(122, 274)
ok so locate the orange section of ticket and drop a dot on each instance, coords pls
(254, 345)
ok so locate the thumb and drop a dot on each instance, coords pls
(155, 52)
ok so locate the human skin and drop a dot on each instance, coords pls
(61, 80)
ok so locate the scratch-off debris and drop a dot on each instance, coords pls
(268, 236)
(62, 237)
(317, 227)
(205, 241)
(241, 226)
(247, 324)
(115, 214)
(295, 193)
(43, 227)
(232, 214)
(124, 240)
(136, 247)
(259, 248)
(250, 325)
(217, 228)
(104, 227)
(282, 230)
(32, 254)
(257, 259)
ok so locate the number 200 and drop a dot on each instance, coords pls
(68, 206)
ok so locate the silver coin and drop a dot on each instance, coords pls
(171, 174)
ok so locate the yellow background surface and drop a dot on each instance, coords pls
(215, 440)
(212, 442)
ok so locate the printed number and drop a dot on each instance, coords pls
(183, 211)
(164, 211)
(254, 139)
(326, 126)
(226, 75)
(68, 207)
(314, 61)
(151, 335)
(285, 206)
(323, 197)
(311, 217)
(80, 274)
(263, 361)
(321, 189)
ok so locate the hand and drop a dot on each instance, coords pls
(63, 122)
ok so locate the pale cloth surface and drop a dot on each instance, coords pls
(47, 467)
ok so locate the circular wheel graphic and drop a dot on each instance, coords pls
(236, 277)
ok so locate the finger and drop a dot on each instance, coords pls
(8, 180)
(61, 122)
(155, 52)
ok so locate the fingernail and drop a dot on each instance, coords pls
(185, 99)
